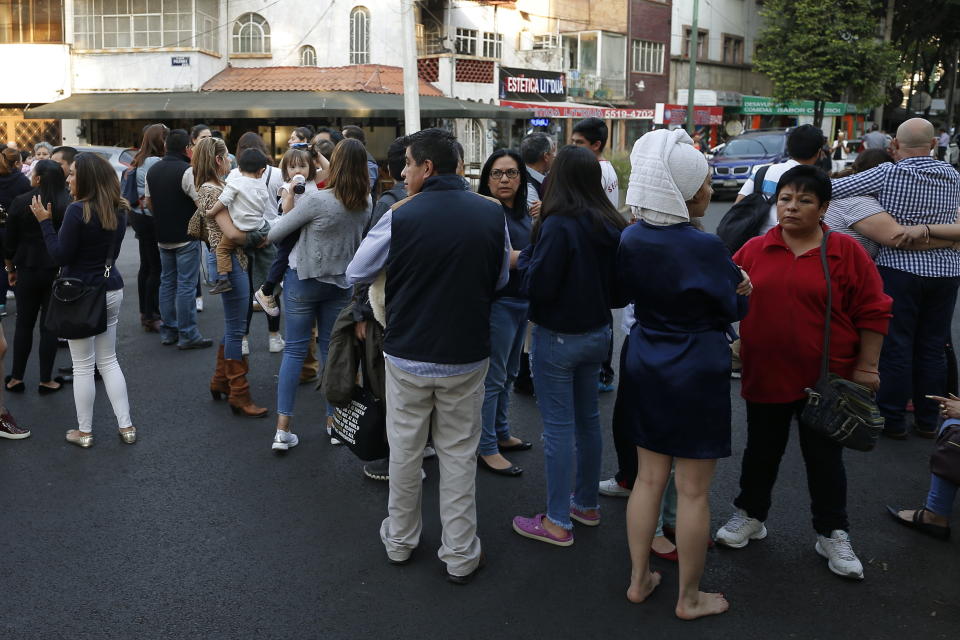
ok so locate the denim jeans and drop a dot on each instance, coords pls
(305, 302)
(913, 363)
(235, 303)
(180, 269)
(942, 492)
(565, 371)
(508, 328)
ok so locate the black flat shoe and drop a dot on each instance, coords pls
(45, 391)
(461, 580)
(68, 379)
(17, 388)
(523, 445)
(512, 470)
(932, 530)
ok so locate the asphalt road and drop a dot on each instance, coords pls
(199, 531)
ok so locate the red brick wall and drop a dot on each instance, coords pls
(649, 20)
(429, 69)
(480, 71)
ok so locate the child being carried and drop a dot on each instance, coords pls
(245, 197)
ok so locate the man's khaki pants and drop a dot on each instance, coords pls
(451, 406)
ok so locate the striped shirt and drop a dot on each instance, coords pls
(914, 191)
(843, 213)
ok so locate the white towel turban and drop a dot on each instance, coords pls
(666, 172)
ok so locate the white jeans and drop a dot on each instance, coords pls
(100, 351)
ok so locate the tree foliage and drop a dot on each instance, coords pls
(825, 50)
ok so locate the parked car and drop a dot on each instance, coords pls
(119, 157)
(732, 165)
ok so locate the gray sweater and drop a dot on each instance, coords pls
(329, 236)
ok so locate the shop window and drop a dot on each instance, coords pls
(466, 42)
(702, 39)
(732, 49)
(122, 24)
(251, 34)
(647, 57)
(492, 45)
(31, 21)
(308, 56)
(359, 35)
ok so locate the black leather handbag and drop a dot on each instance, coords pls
(837, 408)
(945, 461)
(362, 424)
(78, 310)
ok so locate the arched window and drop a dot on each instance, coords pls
(251, 34)
(359, 35)
(308, 56)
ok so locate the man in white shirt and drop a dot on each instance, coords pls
(592, 133)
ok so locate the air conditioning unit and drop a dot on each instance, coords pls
(546, 41)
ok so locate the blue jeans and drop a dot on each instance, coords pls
(305, 303)
(180, 269)
(211, 261)
(942, 493)
(508, 328)
(565, 372)
(235, 304)
(913, 362)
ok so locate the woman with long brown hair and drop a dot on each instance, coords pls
(141, 218)
(85, 248)
(210, 162)
(330, 223)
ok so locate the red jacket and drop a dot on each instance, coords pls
(782, 335)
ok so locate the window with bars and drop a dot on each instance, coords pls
(732, 49)
(492, 45)
(545, 41)
(308, 56)
(466, 42)
(251, 34)
(359, 35)
(647, 57)
(702, 49)
(31, 21)
(122, 24)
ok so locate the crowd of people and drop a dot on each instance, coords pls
(454, 294)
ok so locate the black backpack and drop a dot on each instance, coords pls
(745, 219)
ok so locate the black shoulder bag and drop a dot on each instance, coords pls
(362, 425)
(79, 310)
(837, 408)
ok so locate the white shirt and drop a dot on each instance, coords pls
(246, 199)
(532, 195)
(611, 185)
(272, 179)
(770, 181)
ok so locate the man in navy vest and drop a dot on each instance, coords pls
(538, 151)
(445, 252)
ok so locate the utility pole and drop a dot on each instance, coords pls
(887, 37)
(692, 83)
(952, 87)
(411, 80)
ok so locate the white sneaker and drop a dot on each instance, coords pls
(613, 489)
(276, 343)
(429, 452)
(740, 530)
(284, 440)
(333, 439)
(11, 295)
(199, 305)
(839, 554)
(267, 304)
(245, 347)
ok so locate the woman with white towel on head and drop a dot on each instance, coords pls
(686, 293)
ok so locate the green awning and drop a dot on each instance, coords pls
(260, 105)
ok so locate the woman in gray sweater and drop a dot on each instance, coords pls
(330, 223)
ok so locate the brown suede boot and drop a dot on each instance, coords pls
(240, 401)
(219, 385)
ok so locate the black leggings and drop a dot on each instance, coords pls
(273, 322)
(33, 295)
(148, 278)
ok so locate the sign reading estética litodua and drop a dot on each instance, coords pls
(532, 85)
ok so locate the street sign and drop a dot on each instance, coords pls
(180, 61)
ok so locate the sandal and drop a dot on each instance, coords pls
(916, 522)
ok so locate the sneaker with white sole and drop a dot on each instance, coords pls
(284, 440)
(245, 347)
(268, 304)
(200, 305)
(333, 439)
(839, 554)
(611, 488)
(740, 530)
(276, 343)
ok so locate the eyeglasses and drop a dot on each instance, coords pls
(497, 174)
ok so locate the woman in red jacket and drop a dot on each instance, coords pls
(782, 344)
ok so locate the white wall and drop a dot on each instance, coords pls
(36, 73)
(731, 17)
(148, 71)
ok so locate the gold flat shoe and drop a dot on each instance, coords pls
(80, 439)
(128, 436)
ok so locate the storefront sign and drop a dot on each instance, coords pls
(677, 114)
(710, 98)
(531, 85)
(578, 111)
(764, 106)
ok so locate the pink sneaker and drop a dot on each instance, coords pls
(533, 528)
(584, 518)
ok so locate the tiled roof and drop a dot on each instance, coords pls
(369, 78)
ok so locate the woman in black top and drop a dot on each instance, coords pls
(12, 184)
(31, 269)
(91, 232)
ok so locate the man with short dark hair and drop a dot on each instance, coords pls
(356, 133)
(537, 150)
(592, 133)
(170, 195)
(64, 157)
(445, 251)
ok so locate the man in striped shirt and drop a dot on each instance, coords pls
(916, 190)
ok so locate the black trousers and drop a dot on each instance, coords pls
(273, 322)
(148, 278)
(33, 296)
(606, 369)
(768, 430)
(623, 430)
